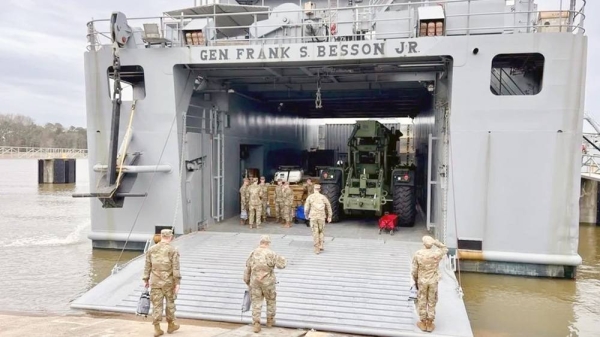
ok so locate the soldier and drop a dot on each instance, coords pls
(425, 266)
(317, 208)
(260, 278)
(279, 201)
(243, 200)
(309, 188)
(254, 195)
(265, 198)
(288, 203)
(161, 274)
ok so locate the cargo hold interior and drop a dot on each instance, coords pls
(272, 117)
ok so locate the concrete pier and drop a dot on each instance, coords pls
(56, 171)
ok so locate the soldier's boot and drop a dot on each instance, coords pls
(270, 322)
(158, 331)
(422, 325)
(172, 327)
(317, 251)
(256, 327)
(242, 222)
(430, 325)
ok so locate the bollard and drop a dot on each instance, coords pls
(56, 171)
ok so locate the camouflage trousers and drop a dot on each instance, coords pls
(279, 210)
(156, 298)
(286, 213)
(427, 297)
(257, 294)
(255, 214)
(318, 231)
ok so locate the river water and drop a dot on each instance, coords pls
(48, 262)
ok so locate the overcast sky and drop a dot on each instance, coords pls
(42, 44)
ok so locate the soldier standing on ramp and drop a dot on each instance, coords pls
(279, 201)
(161, 274)
(254, 195)
(288, 203)
(425, 267)
(243, 200)
(260, 277)
(317, 208)
(265, 198)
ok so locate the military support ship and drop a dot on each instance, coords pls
(494, 88)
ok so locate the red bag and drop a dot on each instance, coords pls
(388, 223)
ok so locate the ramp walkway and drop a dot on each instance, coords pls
(355, 286)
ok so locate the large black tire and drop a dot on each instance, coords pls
(332, 192)
(404, 205)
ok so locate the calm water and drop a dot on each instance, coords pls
(48, 262)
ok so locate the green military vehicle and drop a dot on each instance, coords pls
(372, 181)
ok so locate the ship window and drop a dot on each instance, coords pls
(132, 83)
(517, 74)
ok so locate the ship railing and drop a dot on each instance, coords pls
(41, 152)
(172, 27)
(590, 163)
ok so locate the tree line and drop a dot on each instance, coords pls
(19, 130)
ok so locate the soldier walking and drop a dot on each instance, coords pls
(279, 201)
(161, 274)
(260, 278)
(244, 200)
(254, 195)
(309, 188)
(425, 266)
(265, 198)
(317, 208)
(288, 203)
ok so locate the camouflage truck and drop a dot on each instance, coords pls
(372, 181)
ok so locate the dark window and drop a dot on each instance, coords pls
(132, 83)
(517, 74)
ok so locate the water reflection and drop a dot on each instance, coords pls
(102, 262)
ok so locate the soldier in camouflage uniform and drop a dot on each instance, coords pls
(309, 188)
(425, 266)
(317, 208)
(254, 195)
(243, 200)
(288, 204)
(279, 201)
(161, 274)
(260, 278)
(265, 198)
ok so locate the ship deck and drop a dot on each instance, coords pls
(358, 285)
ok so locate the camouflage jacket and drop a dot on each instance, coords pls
(425, 264)
(260, 265)
(265, 192)
(288, 197)
(243, 198)
(254, 195)
(317, 207)
(279, 193)
(162, 266)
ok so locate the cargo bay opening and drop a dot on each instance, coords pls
(256, 119)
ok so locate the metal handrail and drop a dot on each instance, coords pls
(41, 152)
(164, 21)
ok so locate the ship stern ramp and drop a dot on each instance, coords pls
(355, 286)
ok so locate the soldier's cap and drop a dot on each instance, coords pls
(166, 232)
(262, 178)
(265, 238)
(428, 241)
(246, 179)
(317, 187)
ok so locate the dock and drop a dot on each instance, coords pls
(357, 285)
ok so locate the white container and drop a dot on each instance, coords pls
(292, 176)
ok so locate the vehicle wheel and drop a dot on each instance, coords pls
(332, 192)
(295, 220)
(404, 205)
